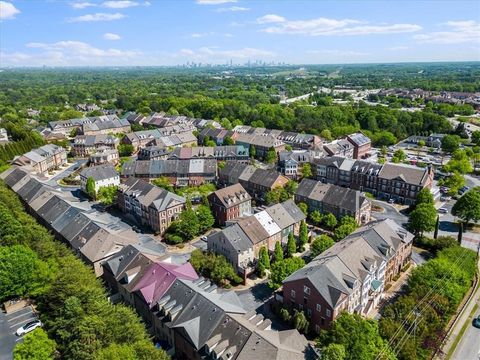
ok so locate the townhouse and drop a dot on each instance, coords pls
(261, 143)
(362, 145)
(94, 236)
(350, 276)
(220, 153)
(103, 176)
(140, 139)
(176, 122)
(399, 182)
(241, 242)
(85, 145)
(337, 200)
(340, 147)
(104, 155)
(43, 159)
(105, 124)
(149, 205)
(179, 172)
(193, 319)
(291, 162)
(230, 203)
(153, 153)
(256, 181)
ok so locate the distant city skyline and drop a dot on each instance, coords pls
(229, 32)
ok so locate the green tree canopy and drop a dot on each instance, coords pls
(423, 218)
(35, 346)
(307, 170)
(424, 196)
(467, 207)
(291, 245)
(329, 220)
(450, 143)
(205, 218)
(271, 156)
(303, 235)
(316, 217)
(263, 261)
(278, 252)
(321, 244)
(125, 150)
(280, 270)
(90, 187)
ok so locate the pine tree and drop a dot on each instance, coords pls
(437, 224)
(303, 236)
(278, 252)
(291, 245)
(263, 261)
(90, 187)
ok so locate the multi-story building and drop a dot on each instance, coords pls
(85, 145)
(140, 139)
(105, 124)
(340, 147)
(399, 182)
(362, 145)
(104, 156)
(153, 153)
(103, 176)
(221, 153)
(43, 159)
(230, 203)
(291, 162)
(262, 143)
(241, 242)
(337, 200)
(149, 204)
(179, 172)
(256, 181)
(351, 275)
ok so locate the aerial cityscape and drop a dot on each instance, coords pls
(239, 180)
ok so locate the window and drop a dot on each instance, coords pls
(317, 328)
(329, 313)
(306, 290)
(319, 307)
(309, 312)
(292, 294)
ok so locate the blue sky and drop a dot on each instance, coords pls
(159, 32)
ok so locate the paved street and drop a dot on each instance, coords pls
(8, 326)
(390, 213)
(254, 297)
(469, 347)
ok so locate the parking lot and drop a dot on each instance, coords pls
(8, 326)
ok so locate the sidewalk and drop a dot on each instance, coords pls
(455, 331)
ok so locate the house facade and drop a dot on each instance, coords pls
(43, 159)
(362, 145)
(85, 145)
(230, 203)
(103, 176)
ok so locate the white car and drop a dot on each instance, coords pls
(204, 238)
(443, 211)
(30, 326)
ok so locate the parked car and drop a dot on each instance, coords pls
(443, 211)
(445, 198)
(30, 326)
(476, 322)
(204, 238)
(391, 201)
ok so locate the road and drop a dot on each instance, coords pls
(390, 212)
(53, 181)
(8, 326)
(469, 347)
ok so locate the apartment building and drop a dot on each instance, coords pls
(220, 153)
(105, 124)
(85, 145)
(104, 155)
(230, 203)
(351, 275)
(103, 176)
(43, 159)
(291, 162)
(149, 204)
(140, 139)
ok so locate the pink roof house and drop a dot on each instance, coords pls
(159, 277)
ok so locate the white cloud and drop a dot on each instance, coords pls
(232, 9)
(121, 4)
(213, 54)
(82, 5)
(330, 27)
(397, 48)
(210, 33)
(8, 10)
(111, 36)
(97, 17)
(457, 32)
(214, 2)
(69, 53)
(270, 18)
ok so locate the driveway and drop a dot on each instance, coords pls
(8, 326)
(254, 297)
(390, 212)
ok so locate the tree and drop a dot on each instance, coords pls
(423, 218)
(278, 252)
(300, 322)
(454, 182)
(35, 346)
(437, 224)
(263, 261)
(326, 134)
(205, 218)
(459, 163)
(285, 315)
(125, 150)
(90, 187)
(213, 266)
(291, 245)
(253, 151)
(22, 273)
(303, 235)
(424, 196)
(347, 225)
(227, 140)
(476, 137)
(467, 207)
(302, 206)
(188, 226)
(307, 170)
(333, 352)
(164, 183)
(282, 269)
(321, 244)
(316, 217)
(107, 194)
(271, 156)
(291, 188)
(329, 220)
(399, 156)
(450, 143)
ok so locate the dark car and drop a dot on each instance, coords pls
(476, 322)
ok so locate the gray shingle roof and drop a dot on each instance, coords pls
(98, 173)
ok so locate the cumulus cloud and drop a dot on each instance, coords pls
(69, 53)
(214, 2)
(199, 35)
(8, 10)
(456, 32)
(123, 4)
(111, 36)
(82, 5)
(329, 27)
(213, 54)
(232, 9)
(97, 17)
